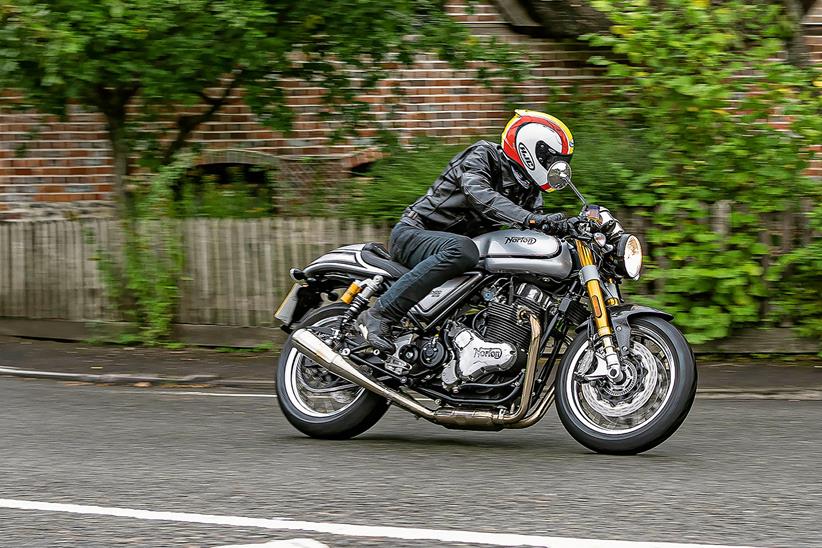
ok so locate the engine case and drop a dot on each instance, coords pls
(476, 357)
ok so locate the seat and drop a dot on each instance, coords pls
(375, 254)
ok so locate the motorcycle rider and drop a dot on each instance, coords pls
(486, 186)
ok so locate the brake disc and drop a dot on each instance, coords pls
(609, 402)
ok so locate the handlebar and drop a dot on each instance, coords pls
(555, 217)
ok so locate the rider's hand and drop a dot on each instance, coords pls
(555, 224)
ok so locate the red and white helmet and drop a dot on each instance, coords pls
(535, 140)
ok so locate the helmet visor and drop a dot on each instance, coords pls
(546, 155)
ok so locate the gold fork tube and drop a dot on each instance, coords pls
(603, 325)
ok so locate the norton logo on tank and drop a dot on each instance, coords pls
(527, 240)
(495, 353)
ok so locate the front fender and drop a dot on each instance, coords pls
(620, 316)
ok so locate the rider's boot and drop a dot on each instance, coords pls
(376, 328)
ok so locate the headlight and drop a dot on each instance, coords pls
(629, 255)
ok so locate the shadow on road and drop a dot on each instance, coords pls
(524, 448)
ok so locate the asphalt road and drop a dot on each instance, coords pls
(739, 472)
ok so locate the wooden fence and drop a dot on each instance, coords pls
(236, 271)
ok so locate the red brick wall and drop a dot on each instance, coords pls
(65, 169)
(813, 37)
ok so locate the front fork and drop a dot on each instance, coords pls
(608, 365)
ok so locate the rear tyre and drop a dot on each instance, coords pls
(317, 402)
(647, 408)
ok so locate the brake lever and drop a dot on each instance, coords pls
(585, 235)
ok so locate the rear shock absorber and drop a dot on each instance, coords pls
(357, 296)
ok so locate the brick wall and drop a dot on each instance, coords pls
(813, 37)
(64, 169)
(49, 168)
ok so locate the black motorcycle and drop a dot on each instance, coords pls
(480, 352)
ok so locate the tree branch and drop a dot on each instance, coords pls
(187, 123)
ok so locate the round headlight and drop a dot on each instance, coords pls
(629, 252)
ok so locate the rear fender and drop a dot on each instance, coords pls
(310, 295)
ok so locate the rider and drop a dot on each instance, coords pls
(483, 188)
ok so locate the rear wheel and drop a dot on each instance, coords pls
(317, 402)
(646, 407)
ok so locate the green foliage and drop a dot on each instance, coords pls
(798, 281)
(706, 84)
(610, 156)
(144, 278)
(233, 200)
(397, 180)
(177, 63)
(236, 192)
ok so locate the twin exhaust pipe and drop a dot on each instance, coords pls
(312, 346)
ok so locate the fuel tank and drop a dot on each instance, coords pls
(524, 251)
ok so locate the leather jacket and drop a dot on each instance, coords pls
(479, 191)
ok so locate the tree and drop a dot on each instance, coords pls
(138, 61)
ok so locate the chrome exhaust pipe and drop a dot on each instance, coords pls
(312, 346)
(315, 348)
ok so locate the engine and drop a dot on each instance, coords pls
(476, 357)
(498, 339)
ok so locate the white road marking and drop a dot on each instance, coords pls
(290, 543)
(373, 531)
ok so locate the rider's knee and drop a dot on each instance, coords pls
(463, 253)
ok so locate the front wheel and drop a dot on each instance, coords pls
(317, 402)
(642, 411)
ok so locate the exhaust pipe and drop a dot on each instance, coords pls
(312, 346)
(315, 348)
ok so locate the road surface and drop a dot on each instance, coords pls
(739, 472)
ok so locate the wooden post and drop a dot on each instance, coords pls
(268, 289)
(5, 261)
(18, 269)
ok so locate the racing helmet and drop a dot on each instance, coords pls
(535, 140)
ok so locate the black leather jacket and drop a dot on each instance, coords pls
(479, 191)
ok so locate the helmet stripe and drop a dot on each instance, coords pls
(524, 115)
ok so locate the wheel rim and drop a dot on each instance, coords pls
(638, 400)
(312, 389)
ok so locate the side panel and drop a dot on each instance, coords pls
(442, 297)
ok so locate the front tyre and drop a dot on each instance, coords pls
(646, 408)
(317, 402)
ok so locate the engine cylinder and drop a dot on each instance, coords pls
(503, 325)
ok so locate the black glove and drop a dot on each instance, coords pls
(556, 224)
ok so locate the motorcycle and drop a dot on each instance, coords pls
(480, 352)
